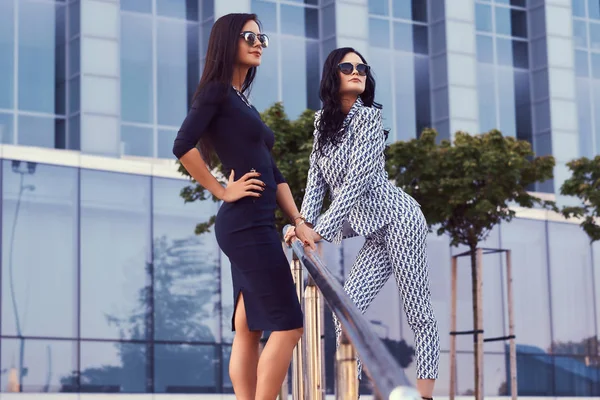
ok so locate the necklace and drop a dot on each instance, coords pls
(241, 95)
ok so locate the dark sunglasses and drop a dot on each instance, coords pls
(250, 38)
(347, 68)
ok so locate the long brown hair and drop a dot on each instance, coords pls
(220, 60)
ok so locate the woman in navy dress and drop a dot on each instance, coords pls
(221, 120)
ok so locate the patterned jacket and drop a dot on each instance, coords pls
(363, 198)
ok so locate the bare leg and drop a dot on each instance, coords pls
(274, 362)
(244, 355)
(425, 387)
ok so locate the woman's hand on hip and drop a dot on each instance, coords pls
(246, 186)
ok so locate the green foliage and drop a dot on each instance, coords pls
(293, 144)
(584, 184)
(467, 187)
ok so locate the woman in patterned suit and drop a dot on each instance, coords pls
(348, 161)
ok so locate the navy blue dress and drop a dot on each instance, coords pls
(245, 229)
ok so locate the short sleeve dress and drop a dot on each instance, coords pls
(245, 229)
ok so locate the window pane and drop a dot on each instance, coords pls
(584, 117)
(527, 241)
(520, 54)
(402, 9)
(486, 88)
(574, 376)
(523, 104)
(75, 18)
(403, 36)
(47, 365)
(313, 75)
(185, 9)
(536, 374)
(492, 304)
(581, 63)
(485, 49)
(594, 9)
(405, 95)
(172, 72)
(578, 8)
(265, 90)
(136, 69)
(422, 93)
(6, 128)
(294, 76)
(503, 21)
(518, 23)
(40, 63)
(115, 215)
(32, 193)
(113, 367)
(186, 369)
(483, 17)
(6, 49)
(504, 49)
(267, 14)
(186, 267)
(165, 143)
(300, 21)
(571, 273)
(595, 36)
(379, 7)
(506, 102)
(144, 6)
(225, 367)
(580, 33)
(379, 33)
(137, 141)
(39, 131)
(382, 72)
(595, 65)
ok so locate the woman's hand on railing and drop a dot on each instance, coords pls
(307, 236)
(290, 234)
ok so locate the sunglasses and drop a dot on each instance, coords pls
(250, 38)
(347, 68)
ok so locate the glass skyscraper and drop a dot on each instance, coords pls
(104, 287)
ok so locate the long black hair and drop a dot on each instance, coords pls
(332, 117)
(220, 59)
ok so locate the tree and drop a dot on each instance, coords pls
(293, 144)
(185, 294)
(584, 184)
(466, 188)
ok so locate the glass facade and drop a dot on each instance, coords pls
(290, 67)
(399, 52)
(159, 72)
(119, 295)
(34, 72)
(503, 68)
(586, 39)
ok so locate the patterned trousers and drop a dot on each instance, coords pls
(399, 248)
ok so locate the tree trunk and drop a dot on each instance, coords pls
(474, 282)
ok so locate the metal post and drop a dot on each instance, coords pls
(479, 327)
(312, 330)
(298, 355)
(453, 289)
(511, 329)
(346, 383)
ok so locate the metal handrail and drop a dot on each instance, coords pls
(387, 376)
